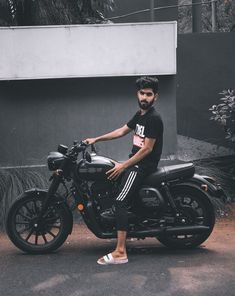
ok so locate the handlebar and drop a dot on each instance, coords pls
(76, 149)
(81, 147)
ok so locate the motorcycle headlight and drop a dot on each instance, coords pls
(62, 149)
(54, 160)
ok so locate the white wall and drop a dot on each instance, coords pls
(87, 50)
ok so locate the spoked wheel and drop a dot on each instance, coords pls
(195, 209)
(33, 234)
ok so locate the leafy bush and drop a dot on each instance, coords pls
(14, 182)
(225, 13)
(54, 12)
(224, 113)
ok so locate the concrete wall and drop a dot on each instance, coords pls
(88, 50)
(37, 115)
(206, 66)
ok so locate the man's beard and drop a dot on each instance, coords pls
(145, 105)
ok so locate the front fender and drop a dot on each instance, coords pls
(57, 199)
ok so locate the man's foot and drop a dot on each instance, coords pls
(112, 258)
(108, 214)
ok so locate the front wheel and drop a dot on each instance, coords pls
(34, 235)
(195, 209)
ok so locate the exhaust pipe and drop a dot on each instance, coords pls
(178, 230)
(187, 230)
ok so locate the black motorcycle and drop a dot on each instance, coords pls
(173, 204)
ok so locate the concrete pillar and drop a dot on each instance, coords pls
(196, 17)
(152, 10)
(168, 11)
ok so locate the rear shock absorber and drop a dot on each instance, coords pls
(170, 199)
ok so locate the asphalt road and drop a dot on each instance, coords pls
(152, 269)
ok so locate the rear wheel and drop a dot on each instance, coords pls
(195, 209)
(34, 235)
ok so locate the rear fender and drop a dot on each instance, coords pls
(210, 185)
(57, 199)
(193, 187)
(207, 200)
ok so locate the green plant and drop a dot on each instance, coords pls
(225, 15)
(14, 182)
(224, 113)
(54, 12)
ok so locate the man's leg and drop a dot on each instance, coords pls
(130, 181)
(120, 250)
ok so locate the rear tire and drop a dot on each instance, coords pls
(196, 209)
(33, 236)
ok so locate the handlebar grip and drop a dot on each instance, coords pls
(82, 143)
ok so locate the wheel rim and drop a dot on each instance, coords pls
(34, 231)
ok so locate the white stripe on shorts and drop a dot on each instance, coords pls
(127, 186)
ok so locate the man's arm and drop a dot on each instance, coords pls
(115, 172)
(120, 132)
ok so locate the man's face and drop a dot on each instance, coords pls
(146, 98)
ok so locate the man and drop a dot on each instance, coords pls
(147, 148)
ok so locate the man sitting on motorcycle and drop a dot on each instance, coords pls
(145, 155)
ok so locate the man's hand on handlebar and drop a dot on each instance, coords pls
(90, 141)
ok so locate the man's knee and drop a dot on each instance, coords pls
(120, 205)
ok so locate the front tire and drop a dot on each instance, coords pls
(196, 209)
(37, 236)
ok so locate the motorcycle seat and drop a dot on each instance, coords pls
(170, 173)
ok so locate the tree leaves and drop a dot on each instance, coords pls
(224, 113)
(225, 16)
(56, 12)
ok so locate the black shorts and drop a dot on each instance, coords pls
(131, 180)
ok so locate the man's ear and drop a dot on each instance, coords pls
(156, 96)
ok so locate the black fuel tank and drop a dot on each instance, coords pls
(96, 169)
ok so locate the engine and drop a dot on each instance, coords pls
(102, 193)
(150, 202)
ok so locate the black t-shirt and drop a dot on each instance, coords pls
(149, 125)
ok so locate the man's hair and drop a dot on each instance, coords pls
(147, 82)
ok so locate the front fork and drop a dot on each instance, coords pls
(57, 178)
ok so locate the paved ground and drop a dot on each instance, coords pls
(190, 149)
(152, 270)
